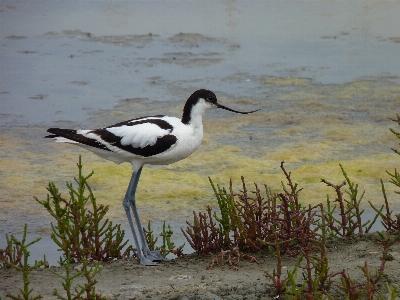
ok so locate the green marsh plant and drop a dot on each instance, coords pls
(80, 292)
(81, 230)
(167, 246)
(20, 263)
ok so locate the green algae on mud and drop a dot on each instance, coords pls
(312, 127)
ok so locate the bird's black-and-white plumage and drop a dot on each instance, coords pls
(156, 140)
(137, 141)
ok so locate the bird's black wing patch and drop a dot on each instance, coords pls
(154, 120)
(72, 135)
(162, 144)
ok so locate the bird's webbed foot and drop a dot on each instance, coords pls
(155, 256)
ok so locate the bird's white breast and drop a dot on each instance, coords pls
(188, 141)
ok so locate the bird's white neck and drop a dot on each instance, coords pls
(193, 112)
(196, 115)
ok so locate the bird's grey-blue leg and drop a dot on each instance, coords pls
(146, 257)
(129, 201)
(152, 255)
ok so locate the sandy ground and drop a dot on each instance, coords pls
(188, 277)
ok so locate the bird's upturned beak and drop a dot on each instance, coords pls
(235, 111)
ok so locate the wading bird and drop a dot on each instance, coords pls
(155, 140)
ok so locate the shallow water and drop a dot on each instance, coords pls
(325, 75)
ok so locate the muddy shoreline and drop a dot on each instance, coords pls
(188, 277)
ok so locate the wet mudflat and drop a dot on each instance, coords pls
(325, 76)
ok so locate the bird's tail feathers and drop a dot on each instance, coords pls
(62, 135)
(60, 139)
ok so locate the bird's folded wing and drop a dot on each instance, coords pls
(140, 135)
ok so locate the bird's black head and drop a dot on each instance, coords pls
(200, 96)
(207, 95)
